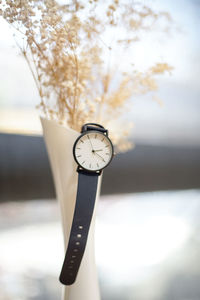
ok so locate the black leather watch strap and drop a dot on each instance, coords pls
(85, 201)
(93, 126)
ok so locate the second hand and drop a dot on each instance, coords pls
(90, 143)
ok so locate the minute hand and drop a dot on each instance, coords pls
(99, 155)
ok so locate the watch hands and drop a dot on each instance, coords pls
(90, 143)
(94, 151)
(99, 156)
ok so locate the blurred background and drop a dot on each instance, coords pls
(150, 195)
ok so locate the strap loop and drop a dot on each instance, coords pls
(93, 126)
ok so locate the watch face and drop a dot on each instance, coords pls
(93, 151)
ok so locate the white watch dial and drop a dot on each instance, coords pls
(93, 151)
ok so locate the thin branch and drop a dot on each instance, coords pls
(76, 82)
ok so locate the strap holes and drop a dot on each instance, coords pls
(79, 235)
(73, 256)
(80, 227)
(70, 267)
(75, 250)
(77, 243)
(71, 261)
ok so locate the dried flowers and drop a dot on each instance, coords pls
(68, 48)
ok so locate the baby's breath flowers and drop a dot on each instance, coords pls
(69, 47)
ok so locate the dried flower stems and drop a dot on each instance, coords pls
(65, 48)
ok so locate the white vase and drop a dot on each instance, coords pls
(59, 142)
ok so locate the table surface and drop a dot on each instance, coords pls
(147, 247)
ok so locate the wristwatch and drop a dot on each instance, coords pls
(93, 151)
